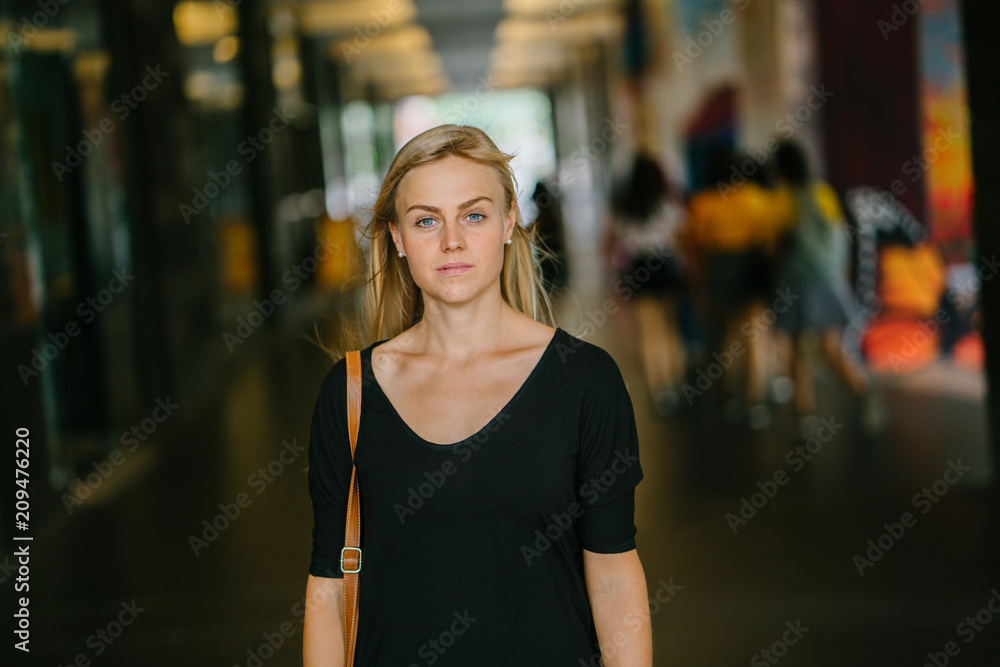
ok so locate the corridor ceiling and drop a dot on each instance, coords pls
(403, 47)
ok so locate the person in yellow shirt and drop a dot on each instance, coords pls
(730, 238)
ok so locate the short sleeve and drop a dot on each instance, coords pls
(330, 467)
(608, 468)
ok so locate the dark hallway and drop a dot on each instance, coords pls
(182, 190)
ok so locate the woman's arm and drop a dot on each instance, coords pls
(617, 589)
(323, 635)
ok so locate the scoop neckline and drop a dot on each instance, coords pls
(439, 446)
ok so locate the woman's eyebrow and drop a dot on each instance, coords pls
(473, 201)
(424, 207)
(435, 209)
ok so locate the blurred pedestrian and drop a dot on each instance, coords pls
(814, 268)
(730, 239)
(551, 235)
(647, 219)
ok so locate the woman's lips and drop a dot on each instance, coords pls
(454, 269)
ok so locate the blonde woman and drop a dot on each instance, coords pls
(497, 456)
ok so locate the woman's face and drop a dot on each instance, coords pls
(451, 226)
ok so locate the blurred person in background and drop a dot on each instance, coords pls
(551, 236)
(730, 238)
(514, 549)
(770, 342)
(814, 268)
(647, 219)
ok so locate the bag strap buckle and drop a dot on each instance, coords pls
(357, 557)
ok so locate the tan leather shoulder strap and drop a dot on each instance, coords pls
(350, 557)
(353, 396)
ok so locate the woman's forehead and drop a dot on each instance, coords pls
(451, 177)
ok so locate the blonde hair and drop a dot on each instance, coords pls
(392, 301)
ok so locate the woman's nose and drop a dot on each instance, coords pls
(453, 236)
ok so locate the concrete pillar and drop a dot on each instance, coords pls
(982, 52)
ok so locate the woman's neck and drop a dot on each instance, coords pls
(461, 333)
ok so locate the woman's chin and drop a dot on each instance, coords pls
(454, 295)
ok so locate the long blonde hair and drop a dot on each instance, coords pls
(392, 301)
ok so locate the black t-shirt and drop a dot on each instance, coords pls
(472, 552)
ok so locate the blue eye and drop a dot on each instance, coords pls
(421, 221)
(476, 217)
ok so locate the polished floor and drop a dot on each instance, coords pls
(133, 575)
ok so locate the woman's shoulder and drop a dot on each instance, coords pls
(584, 361)
(335, 380)
(334, 383)
(384, 352)
(533, 337)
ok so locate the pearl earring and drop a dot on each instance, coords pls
(509, 241)
(400, 254)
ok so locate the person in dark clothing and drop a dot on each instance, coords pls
(730, 233)
(551, 238)
(647, 219)
(497, 456)
(815, 268)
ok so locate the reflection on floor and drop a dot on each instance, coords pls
(758, 546)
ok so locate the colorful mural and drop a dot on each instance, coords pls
(946, 162)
